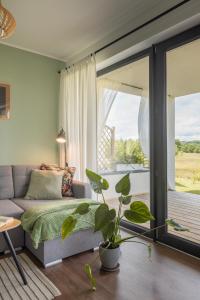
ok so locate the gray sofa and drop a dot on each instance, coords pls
(14, 181)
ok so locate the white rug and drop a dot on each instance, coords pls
(11, 287)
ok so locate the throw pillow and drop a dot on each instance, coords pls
(45, 185)
(67, 181)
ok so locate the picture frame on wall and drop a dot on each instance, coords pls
(4, 101)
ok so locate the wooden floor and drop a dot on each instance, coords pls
(169, 275)
(182, 207)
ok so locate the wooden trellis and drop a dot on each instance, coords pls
(106, 148)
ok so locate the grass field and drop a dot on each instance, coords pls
(186, 165)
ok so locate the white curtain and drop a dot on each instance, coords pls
(77, 115)
(143, 125)
(144, 135)
(171, 151)
(106, 94)
(62, 114)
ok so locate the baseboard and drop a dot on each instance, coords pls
(55, 262)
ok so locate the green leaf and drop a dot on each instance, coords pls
(112, 214)
(90, 276)
(138, 213)
(92, 176)
(68, 226)
(176, 226)
(97, 182)
(108, 230)
(125, 199)
(123, 186)
(101, 216)
(104, 184)
(82, 209)
(97, 188)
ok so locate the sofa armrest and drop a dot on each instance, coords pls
(81, 190)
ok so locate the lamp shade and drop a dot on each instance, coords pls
(61, 139)
(7, 23)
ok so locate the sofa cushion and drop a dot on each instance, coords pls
(21, 178)
(45, 185)
(27, 204)
(10, 209)
(6, 182)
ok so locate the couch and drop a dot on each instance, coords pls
(14, 182)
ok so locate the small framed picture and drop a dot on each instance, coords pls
(4, 101)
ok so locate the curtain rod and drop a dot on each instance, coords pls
(141, 26)
(132, 86)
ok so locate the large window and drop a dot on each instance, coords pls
(183, 124)
(153, 132)
(124, 129)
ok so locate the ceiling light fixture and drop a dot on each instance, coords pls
(7, 23)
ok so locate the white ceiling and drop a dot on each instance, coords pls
(183, 69)
(63, 28)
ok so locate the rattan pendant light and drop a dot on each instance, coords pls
(7, 23)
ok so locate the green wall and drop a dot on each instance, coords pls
(28, 137)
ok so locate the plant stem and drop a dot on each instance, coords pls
(136, 242)
(118, 218)
(103, 197)
(139, 234)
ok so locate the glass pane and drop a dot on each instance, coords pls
(124, 129)
(183, 110)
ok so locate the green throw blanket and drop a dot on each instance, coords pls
(44, 222)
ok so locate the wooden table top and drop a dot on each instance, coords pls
(15, 223)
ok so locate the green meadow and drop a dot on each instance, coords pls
(188, 172)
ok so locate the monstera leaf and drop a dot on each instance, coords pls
(138, 213)
(123, 186)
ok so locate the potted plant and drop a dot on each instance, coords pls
(107, 221)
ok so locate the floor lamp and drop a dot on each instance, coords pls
(61, 139)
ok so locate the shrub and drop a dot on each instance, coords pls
(128, 152)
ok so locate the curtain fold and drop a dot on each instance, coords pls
(144, 135)
(62, 114)
(78, 115)
(143, 125)
(171, 151)
(106, 94)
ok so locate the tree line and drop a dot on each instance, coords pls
(187, 147)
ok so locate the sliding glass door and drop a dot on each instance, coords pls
(183, 136)
(177, 92)
(150, 127)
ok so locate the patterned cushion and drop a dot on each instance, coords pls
(67, 177)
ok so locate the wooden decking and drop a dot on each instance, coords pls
(182, 207)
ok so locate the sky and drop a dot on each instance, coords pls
(187, 115)
(124, 117)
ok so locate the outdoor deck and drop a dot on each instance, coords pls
(182, 207)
